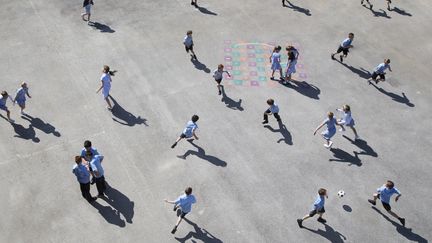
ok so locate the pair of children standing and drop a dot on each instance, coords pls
(275, 60)
(20, 99)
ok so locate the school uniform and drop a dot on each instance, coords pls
(3, 103)
(106, 83)
(344, 46)
(87, 5)
(83, 177)
(20, 97)
(347, 119)
(292, 61)
(273, 109)
(331, 128)
(188, 42)
(96, 166)
(275, 60)
(218, 75)
(384, 194)
(184, 202)
(380, 71)
(318, 206)
(188, 131)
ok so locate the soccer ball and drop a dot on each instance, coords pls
(341, 193)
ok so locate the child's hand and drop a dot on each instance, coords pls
(314, 133)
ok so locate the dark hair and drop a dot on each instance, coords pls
(87, 144)
(270, 102)
(188, 191)
(347, 107)
(3, 93)
(322, 191)
(195, 118)
(351, 34)
(78, 159)
(291, 55)
(106, 69)
(330, 114)
(387, 60)
(189, 32)
(390, 184)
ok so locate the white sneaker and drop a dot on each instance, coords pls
(329, 145)
(11, 120)
(342, 129)
(23, 113)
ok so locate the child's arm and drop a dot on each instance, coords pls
(97, 91)
(397, 198)
(319, 127)
(27, 93)
(13, 100)
(390, 69)
(229, 75)
(195, 136)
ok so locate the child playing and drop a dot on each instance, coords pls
(3, 99)
(218, 76)
(384, 193)
(189, 131)
(318, 208)
(106, 84)
(87, 7)
(380, 71)
(275, 61)
(292, 61)
(273, 109)
(20, 97)
(188, 43)
(347, 120)
(184, 203)
(344, 47)
(331, 129)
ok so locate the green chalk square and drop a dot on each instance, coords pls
(260, 59)
(262, 78)
(236, 72)
(235, 54)
(261, 69)
(236, 63)
(238, 82)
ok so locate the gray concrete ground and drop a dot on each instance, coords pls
(251, 182)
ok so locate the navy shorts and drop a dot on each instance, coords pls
(343, 50)
(188, 48)
(315, 211)
(375, 75)
(385, 205)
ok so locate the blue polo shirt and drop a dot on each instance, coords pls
(274, 108)
(94, 151)
(190, 128)
(96, 165)
(319, 202)
(21, 94)
(185, 202)
(346, 43)
(381, 68)
(385, 193)
(81, 173)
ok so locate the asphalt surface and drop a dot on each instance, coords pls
(251, 181)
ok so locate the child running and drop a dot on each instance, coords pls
(318, 208)
(292, 61)
(3, 99)
(384, 193)
(347, 120)
(189, 131)
(275, 61)
(87, 4)
(20, 97)
(330, 131)
(184, 202)
(218, 76)
(106, 84)
(344, 47)
(273, 109)
(188, 43)
(380, 71)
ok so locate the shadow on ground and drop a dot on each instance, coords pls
(41, 125)
(342, 156)
(198, 234)
(297, 8)
(329, 233)
(304, 88)
(230, 103)
(124, 117)
(200, 66)
(286, 135)
(202, 155)
(103, 28)
(398, 98)
(22, 132)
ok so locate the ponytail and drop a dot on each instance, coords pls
(106, 69)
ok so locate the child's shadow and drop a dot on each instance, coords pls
(200, 234)
(362, 144)
(401, 99)
(202, 155)
(287, 138)
(230, 103)
(304, 88)
(401, 11)
(41, 125)
(200, 66)
(22, 132)
(298, 9)
(330, 234)
(361, 72)
(205, 10)
(342, 156)
(381, 13)
(101, 27)
(124, 117)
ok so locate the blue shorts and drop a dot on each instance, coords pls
(327, 134)
(3, 107)
(20, 102)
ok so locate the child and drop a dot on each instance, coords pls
(20, 97)
(380, 71)
(106, 84)
(188, 43)
(344, 47)
(347, 120)
(384, 194)
(3, 106)
(331, 129)
(189, 131)
(275, 61)
(218, 76)
(292, 61)
(184, 202)
(273, 109)
(87, 7)
(318, 208)
(82, 174)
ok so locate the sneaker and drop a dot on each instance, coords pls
(11, 120)
(194, 56)
(341, 58)
(332, 57)
(174, 230)
(300, 223)
(272, 78)
(328, 145)
(372, 202)
(264, 122)
(174, 144)
(175, 208)
(402, 220)
(192, 3)
(321, 220)
(23, 113)
(342, 129)
(357, 137)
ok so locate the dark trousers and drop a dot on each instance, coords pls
(85, 191)
(276, 115)
(100, 185)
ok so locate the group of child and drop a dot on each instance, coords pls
(20, 99)
(275, 60)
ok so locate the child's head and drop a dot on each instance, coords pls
(4, 94)
(346, 108)
(387, 61)
(322, 192)
(24, 84)
(78, 159)
(270, 102)
(188, 191)
(87, 144)
(389, 184)
(289, 48)
(106, 69)
(351, 35)
(330, 115)
(220, 66)
(195, 118)
(189, 32)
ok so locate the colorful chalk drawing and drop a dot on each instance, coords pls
(249, 65)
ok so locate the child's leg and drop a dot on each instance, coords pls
(281, 74)
(272, 75)
(108, 102)
(8, 114)
(354, 131)
(393, 214)
(88, 19)
(22, 108)
(320, 215)
(276, 115)
(306, 217)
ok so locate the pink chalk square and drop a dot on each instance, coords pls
(252, 64)
(254, 83)
(302, 75)
(228, 49)
(251, 55)
(228, 67)
(250, 47)
(228, 58)
(227, 41)
(300, 66)
(253, 73)
(229, 77)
